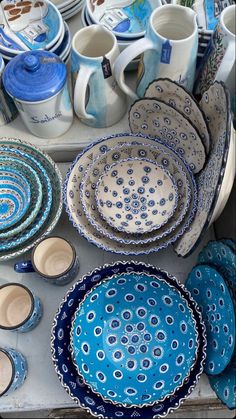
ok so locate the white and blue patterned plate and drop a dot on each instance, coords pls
(156, 118)
(36, 158)
(136, 195)
(210, 291)
(62, 358)
(75, 209)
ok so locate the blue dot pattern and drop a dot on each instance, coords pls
(142, 350)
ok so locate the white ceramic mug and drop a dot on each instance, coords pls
(169, 49)
(98, 100)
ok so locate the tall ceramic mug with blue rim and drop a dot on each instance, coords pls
(8, 110)
(53, 259)
(98, 100)
(20, 309)
(169, 49)
(37, 81)
(13, 370)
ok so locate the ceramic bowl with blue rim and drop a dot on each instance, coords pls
(14, 148)
(75, 208)
(136, 195)
(66, 370)
(210, 291)
(35, 199)
(133, 339)
(15, 197)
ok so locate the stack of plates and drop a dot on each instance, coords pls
(68, 8)
(30, 196)
(31, 25)
(138, 354)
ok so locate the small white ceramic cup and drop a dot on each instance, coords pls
(98, 100)
(53, 259)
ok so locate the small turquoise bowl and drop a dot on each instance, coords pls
(14, 367)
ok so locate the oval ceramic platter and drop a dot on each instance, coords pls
(135, 361)
(216, 105)
(51, 180)
(157, 119)
(210, 291)
(35, 199)
(136, 195)
(154, 153)
(220, 256)
(62, 357)
(179, 98)
(75, 209)
(224, 384)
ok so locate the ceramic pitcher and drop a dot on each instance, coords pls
(169, 49)
(98, 100)
(218, 62)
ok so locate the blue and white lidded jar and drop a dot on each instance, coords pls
(20, 309)
(37, 82)
(13, 370)
(8, 110)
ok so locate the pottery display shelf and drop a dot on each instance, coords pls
(42, 390)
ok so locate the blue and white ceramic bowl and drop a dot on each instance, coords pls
(20, 309)
(67, 372)
(15, 197)
(35, 199)
(35, 157)
(210, 291)
(134, 339)
(14, 370)
(136, 195)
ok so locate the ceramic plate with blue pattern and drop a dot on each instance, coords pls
(74, 383)
(230, 243)
(210, 291)
(220, 256)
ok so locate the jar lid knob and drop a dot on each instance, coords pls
(31, 63)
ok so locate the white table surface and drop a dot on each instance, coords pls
(42, 389)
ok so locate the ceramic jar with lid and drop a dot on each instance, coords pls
(37, 82)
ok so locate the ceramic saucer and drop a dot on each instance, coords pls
(157, 119)
(210, 291)
(216, 105)
(136, 195)
(66, 370)
(172, 162)
(179, 98)
(224, 384)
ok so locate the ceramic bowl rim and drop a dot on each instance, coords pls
(5, 352)
(9, 284)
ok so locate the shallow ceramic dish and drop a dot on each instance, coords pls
(75, 210)
(179, 98)
(66, 370)
(216, 105)
(11, 146)
(35, 199)
(126, 17)
(15, 197)
(210, 291)
(157, 119)
(224, 384)
(65, 45)
(136, 195)
(133, 340)
(39, 27)
(220, 256)
(67, 14)
(155, 153)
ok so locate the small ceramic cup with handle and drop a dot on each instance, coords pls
(53, 259)
(13, 370)
(20, 309)
(98, 100)
(169, 49)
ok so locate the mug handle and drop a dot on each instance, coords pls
(126, 56)
(227, 63)
(24, 267)
(81, 85)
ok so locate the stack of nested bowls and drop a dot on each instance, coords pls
(30, 25)
(68, 8)
(128, 340)
(30, 196)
